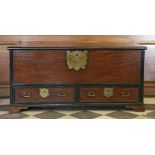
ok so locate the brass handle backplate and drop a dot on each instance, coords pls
(76, 59)
(91, 93)
(62, 94)
(27, 95)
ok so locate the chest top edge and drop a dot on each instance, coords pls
(74, 47)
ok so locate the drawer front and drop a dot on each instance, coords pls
(105, 94)
(44, 95)
(96, 66)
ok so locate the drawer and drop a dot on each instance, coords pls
(44, 95)
(104, 94)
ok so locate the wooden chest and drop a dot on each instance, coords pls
(77, 76)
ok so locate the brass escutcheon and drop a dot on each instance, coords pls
(76, 59)
(44, 92)
(108, 92)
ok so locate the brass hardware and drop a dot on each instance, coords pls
(76, 59)
(91, 93)
(108, 92)
(62, 94)
(125, 93)
(27, 95)
(44, 92)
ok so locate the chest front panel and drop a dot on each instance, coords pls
(101, 66)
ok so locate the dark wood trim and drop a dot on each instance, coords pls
(80, 85)
(79, 48)
(141, 94)
(11, 76)
(73, 105)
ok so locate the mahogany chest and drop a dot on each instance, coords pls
(76, 76)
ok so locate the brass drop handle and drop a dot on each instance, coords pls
(126, 94)
(91, 93)
(62, 94)
(27, 95)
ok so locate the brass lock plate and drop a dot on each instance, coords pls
(76, 59)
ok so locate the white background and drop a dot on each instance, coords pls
(77, 137)
(77, 17)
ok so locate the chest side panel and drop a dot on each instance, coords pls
(50, 66)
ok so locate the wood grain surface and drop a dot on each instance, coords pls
(103, 66)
